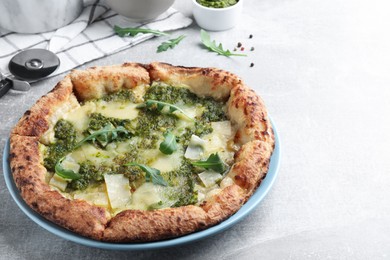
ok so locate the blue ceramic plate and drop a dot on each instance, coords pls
(66, 234)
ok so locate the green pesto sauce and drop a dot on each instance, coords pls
(123, 95)
(98, 121)
(185, 194)
(66, 140)
(149, 126)
(169, 94)
(217, 3)
(90, 174)
(151, 121)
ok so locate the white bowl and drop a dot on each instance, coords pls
(140, 10)
(217, 19)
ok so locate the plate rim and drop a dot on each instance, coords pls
(59, 231)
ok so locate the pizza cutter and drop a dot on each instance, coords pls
(28, 65)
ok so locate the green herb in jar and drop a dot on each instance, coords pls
(217, 3)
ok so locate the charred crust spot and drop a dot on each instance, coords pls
(89, 224)
(20, 167)
(239, 90)
(202, 224)
(148, 68)
(12, 156)
(23, 182)
(34, 205)
(139, 65)
(185, 69)
(257, 134)
(28, 158)
(238, 135)
(27, 113)
(100, 211)
(41, 122)
(246, 111)
(224, 79)
(166, 64)
(240, 178)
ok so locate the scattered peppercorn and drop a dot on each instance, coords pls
(239, 44)
(242, 48)
(252, 64)
(253, 48)
(250, 36)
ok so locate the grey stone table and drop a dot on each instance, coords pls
(323, 69)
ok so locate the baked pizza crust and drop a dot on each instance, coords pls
(245, 109)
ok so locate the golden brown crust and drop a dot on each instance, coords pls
(29, 176)
(96, 82)
(139, 226)
(245, 109)
(36, 121)
(251, 165)
(224, 204)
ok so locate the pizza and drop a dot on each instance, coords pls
(142, 152)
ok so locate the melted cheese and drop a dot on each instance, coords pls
(58, 182)
(118, 191)
(195, 148)
(120, 110)
(58, 113)
(145, 196)
(70, 164)
(166, 163)
(98, 198)
(227, 181)
(139, 92)
(89, 152)
(79, 117)
(217, 141)
(210, 178)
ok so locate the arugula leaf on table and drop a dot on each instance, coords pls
(169, 145)
(122, 32)
(170, 43)
(214, 163)
(212, 45)
(151, 174)
(163, 107)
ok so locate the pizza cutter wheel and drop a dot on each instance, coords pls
(28, 65)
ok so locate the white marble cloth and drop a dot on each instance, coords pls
(89, 37)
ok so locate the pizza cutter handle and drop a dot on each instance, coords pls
(5, 85)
